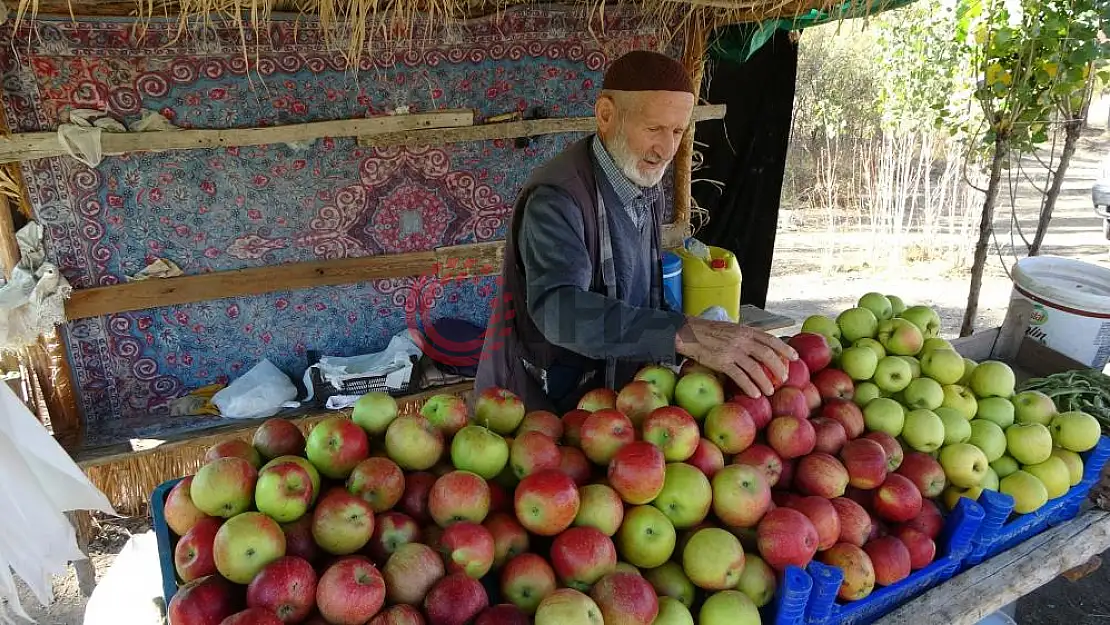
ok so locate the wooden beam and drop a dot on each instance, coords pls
(9, 248)
(157, 292)
(509, 130)
(693, 57)
(972, 595)
(34, 145)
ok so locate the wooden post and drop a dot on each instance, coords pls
(693, 57)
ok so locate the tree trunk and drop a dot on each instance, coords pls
(986, 225)
(1072, 131)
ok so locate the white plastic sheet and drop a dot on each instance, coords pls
(40, 484)
(128, 591)
(260, 392)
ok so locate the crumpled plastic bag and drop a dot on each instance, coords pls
(716, 313)
(131, 589)
(32, 302)
(81, 137)
(260, 392)
(40, 484)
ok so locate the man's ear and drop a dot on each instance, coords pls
(605, 111)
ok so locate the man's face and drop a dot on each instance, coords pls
(643, 130)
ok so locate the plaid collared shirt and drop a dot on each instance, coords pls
(636, 200)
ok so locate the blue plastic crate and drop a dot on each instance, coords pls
(164, 537)
(791, 597)
(953, 545)
(999, 532)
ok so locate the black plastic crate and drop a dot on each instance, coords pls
(322, 389)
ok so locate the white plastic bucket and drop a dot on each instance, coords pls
(1070, 306)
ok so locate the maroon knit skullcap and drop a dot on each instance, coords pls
(643, 70)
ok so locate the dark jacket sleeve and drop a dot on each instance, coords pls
(559, 273)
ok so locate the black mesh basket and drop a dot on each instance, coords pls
(322, 389)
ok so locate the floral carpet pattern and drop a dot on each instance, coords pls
(231, 208)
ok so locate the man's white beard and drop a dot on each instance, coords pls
(626, 161)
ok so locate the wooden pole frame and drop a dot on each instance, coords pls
(693, 57)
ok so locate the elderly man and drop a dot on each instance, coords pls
(580, 304)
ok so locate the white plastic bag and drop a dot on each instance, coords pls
(258, 393)
(127, 592)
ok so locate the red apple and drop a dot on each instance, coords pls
(855, 522)
(245, 544)
(813, 349)
(379, 481)
(673, 430)
(350, 591)
(448, 413)
(637, 472)
(892, 448)
(298, 539)
(234, 448)
(638, 399)
(342, 523)
(707, 458)
(411, 572)
(543, 422)
(847, 413)
(820, 474)
(285, 587)
(499, 409)
(925, 472)
(776, 381)
(224, 487)
(798, 375)
(414, 501)
(205, 601)
(865, 460)
(278, 437)
(603, 433)
(467, 548)
(526, 579)
(786, 478)
(336, 445)
(758, 407)
(192, 556)
(831, 436)
(575, 464)
(813, 397)
(929, 521)
(509, 537)
(785, 537)
(572, 427)
(460, 496)
(730, 427)
(859, 574)
(391, 530)
(455, 600)
(533, 451)
(822, 514)
(890, 558)
(878, 528)
(834, 384)
(499, 498)
(546, 502)
(581, 556)
(922, 549)
(764, 458)
(398, 615)
(503, 614)
(785, 499)
(253, 616)
(791, 436)
(741, 495)
(181, 514)
(897, 499)
(598, 399)
(625, 599)
(790, 401)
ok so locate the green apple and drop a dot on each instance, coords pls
(859, 363)
(969, 367)
(1033, 407)
(934, 343)
(647, 537)
(896, 305)
(1029, 443)
(686, 496)
(663, 378)
(857, 323)
(1029, 493)
(900, 337)
(669, 580)
(479, 450)
(924, 393)
(836, 349)
(1076, 431)
(997, 409)
(883, 414)
(915, 365)
(926, 319)
(713, 559)
(865, 392)
(957, 429)
(990, 480)
(728, 607)
(284, 492)
(1005, 466)
(961, 399)
(1074, 463)
(697, 392)
(923, 430)
(672, 612)
(820, 324)
(878, 304)
(374, 411)
(1053, 473)
(993, 378)
(758, 580)
(986, 435)
(952, 493)
(892, 374)
(872, 345)
(245, 544)
(964, 464)
(946, 366)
